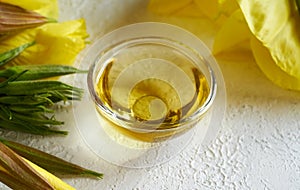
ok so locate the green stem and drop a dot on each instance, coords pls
(49, 162)
(11, 54)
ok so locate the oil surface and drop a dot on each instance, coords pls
(155, 93)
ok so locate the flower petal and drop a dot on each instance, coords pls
(265, 18)
(56, 43)
(208, 8)
(276, 24)
(285, 48)
(167, 7)
(48, 8)
(190, 10)
(271, 70)
(232, 40)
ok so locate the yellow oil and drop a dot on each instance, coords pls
(153, 94)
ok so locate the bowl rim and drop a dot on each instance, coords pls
(182, 123)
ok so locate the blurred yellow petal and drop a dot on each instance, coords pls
(232, 40)
(240, 52)
(167, 7)
(56, 43)
(285, 48)
(271, 70)
(227, 7)
(265, 18)
(277, 25)
(16, 39)
(208, 8)
(48, 8)
(190, 10)
(215, 10)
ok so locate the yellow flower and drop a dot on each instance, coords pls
(212, 9)
(269, 67)
(233, 45)
(266, 29)
(276, 26)
(55, 43)
(272, 28)
(48, 8)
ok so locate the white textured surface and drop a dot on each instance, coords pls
(257, 148)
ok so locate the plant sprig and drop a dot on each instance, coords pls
(11, 54)
(27, 105)
(26, 102)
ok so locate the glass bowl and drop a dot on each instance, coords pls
(150, 88)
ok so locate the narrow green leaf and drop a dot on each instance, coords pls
(6, 112)
(37, 87)
(50, 162)
(35, 100)
(27, 117)
(11, 54)
(36, 120)
(28, 113)
(30, 123)
(29, 128)
(12, 78)
(30, 109)
(35, 72)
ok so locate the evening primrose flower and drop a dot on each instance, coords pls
(268, 30)
(232, 40)
(212, 9)
(55, 43)
(276, 41)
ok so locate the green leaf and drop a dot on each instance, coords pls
(24, 104)
(34, 123)
(50, 162)
(35, 72)
(30, 109)
(39, 87)
(39, 99)
(11, 54)
(11, 78)
(29, 128)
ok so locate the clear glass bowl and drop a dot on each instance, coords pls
(151, 87)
